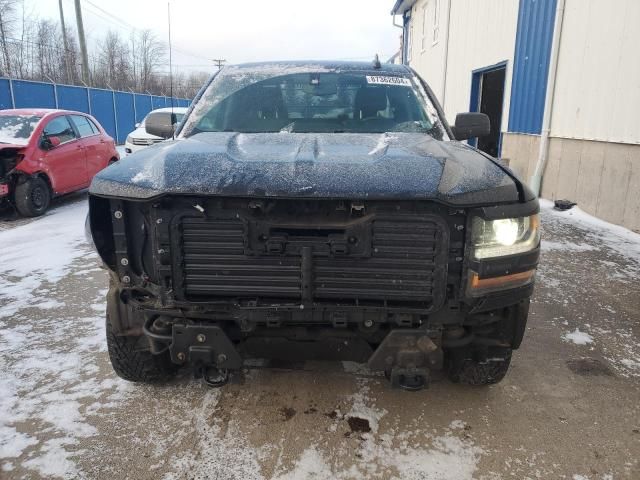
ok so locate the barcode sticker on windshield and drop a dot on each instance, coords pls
(379, 80)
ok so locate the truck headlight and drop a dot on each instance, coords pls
(505, 236)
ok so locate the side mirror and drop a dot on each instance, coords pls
(470, 125)
(160, 124)
(48, 143)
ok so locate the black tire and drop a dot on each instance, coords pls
(479, 372)
(32, 197)
(134, 363)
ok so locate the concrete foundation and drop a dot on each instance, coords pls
(603, 178)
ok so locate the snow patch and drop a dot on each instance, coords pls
(622, 240)
(47, 385)
(54, 460)
(457, 425)
(13, 443)
(310, 465)
(360, 409)
(578, 337)
(27, 265)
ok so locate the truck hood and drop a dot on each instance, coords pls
(311, 165)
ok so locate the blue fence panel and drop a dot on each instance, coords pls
(118, 112)
(5, 94)
(102, 109)
(158, 102)
(33, 94)
(143, 106)
(125, 118)
(536, 23)
(73, 98)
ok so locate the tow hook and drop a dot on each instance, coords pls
(207, 348)
(211, 376)
(412, 379)
(406, 357)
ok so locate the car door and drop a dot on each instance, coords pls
(94, 143)
(64, 157)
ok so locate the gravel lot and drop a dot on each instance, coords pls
(569, 408)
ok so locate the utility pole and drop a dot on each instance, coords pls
(66, 43)
(83, 43)
(219, 62)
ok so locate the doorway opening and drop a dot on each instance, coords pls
(487, 96)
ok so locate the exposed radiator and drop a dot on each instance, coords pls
(404, 263)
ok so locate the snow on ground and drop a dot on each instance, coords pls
(578, 337)
(388, 453)
(48, 368)
(596, 234)
(40, 252)
(583, 256)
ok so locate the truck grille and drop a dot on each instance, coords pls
(145, 141)
(404, 263)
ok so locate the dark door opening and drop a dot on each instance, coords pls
(490, 91)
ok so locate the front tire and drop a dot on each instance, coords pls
(473, 371)
(133, 362)
(32, 197)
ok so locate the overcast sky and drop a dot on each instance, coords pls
(245, 30)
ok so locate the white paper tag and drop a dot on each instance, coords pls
(385, 80)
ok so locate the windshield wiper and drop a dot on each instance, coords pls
(288, 128)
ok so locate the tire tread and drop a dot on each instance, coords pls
(473, 372)
(133, 364)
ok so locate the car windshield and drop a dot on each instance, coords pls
(322, 101)
(17, 129)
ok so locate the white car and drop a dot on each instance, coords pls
(139, 138)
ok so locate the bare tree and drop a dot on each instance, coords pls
(7, 21)
(150, 55)
(33, 48)
(113, 66)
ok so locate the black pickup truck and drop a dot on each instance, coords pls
(324, 210)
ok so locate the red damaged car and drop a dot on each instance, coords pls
(46, 153)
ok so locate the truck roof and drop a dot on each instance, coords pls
(341, 65)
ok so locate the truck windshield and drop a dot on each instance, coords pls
(316, 101)
(17, 129)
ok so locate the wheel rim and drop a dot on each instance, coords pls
(38, 198)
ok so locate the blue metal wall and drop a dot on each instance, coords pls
(536, 20)
(118, 112)
(73, 98)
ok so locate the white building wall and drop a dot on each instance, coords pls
(427, 48)
(483, 33)
(598, 80)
